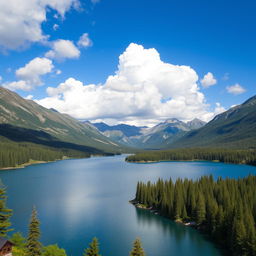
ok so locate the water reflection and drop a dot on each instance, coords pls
(178, 233)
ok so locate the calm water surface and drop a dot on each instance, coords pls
(80, 199)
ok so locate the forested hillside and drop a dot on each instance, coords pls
(224, 209)
(20, 145)
(241, 156)
(13, 154)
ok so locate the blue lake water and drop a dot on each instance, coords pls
(79, 199)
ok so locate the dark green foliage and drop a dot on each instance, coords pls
(5, 213)
(225, 209)
(93, 249)
(19, 242)
(34, 247)
(53, 250)
(137, 249)
(13, 154)
(207, 154)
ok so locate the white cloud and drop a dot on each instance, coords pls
(84, 41)
(63, 49)
(30, 75)
(218, 109)
(143, 88)
(235, 89)
(21, 20)
(29, 97)
(208, 80)
(58, 72)
(32, 71)
(18, 85)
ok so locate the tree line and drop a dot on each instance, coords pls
(14, 154)
(31, 246)
(236, 156)
(225, 209)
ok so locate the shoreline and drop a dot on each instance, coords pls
(21, 166)
(192, 224)
(33, 162)
(156, 212)
(193, 160)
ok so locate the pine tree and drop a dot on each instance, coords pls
(33, 244)
(137, 249)
(239, 234)
(5, 213)
(93, 249)
(200, 209)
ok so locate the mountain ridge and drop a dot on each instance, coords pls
(235, 128)
(156, 137)
(19, 112)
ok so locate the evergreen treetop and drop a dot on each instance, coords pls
(93, 249)
(34, 247)
(137, 249)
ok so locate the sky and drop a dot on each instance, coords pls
(136, 62)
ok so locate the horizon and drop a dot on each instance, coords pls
(90, 60)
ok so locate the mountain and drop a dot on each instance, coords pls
(127, 130)
(27, 114)
(161, 135)
(157, 137)
(235, 128)
(195, 124)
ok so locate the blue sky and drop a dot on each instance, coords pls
(208, 36)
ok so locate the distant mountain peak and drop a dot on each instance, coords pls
(172, 120)
(196, 123)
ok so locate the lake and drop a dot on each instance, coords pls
(79, 199)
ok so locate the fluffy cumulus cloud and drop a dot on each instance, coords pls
(143, 88)
(235, 89)
(30, 75)
(63, 49)
(84, 41)
(208, 80)
(21, 23)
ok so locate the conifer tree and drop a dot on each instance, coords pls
(200, 209)
(33, 245)
(239, 234)
(5, 213)
(137, 249)
(93, 249)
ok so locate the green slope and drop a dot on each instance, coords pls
(16, 111)
(235, 128)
